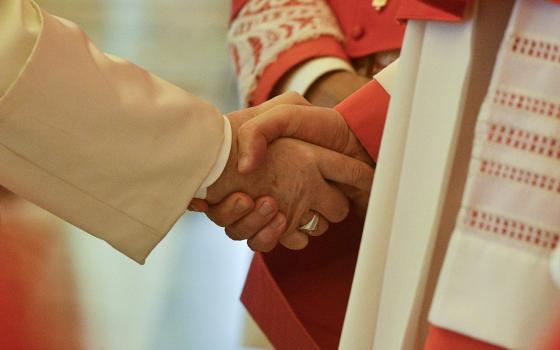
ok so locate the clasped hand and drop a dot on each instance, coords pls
(289, 161)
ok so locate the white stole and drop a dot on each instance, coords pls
(407, 226)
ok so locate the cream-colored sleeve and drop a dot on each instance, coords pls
(94, 139)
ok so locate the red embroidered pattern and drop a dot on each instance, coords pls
(527, 177)
(546, 50)
(484, 221)
(524, 140)
(263, 29)
(531, 104)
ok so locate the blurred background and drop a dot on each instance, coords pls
(63, 289)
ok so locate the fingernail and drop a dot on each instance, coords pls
(193, 207)
(265, 209)
(240, 206)
(278, 221)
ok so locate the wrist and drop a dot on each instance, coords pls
(333, 87)
(229, 179)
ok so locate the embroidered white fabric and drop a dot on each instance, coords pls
(264, 29)
(495, 284)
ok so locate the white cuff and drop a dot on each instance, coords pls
(387, 76)
(220, 164)
(306, 74)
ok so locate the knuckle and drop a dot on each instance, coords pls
(285, 108)
(234, 234)
(267, 247)
(359, 175)
(293, 96)
(246, 129)
(306, 158)
(258, 245)
(218, 220)
(252, 246)
(356, 174)
(295, 240)
(299, 245)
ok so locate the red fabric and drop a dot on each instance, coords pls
(263, 298)
(442, 339)
(365, 112)
(361, 24)
(433, 10)
(322, 46)
(236, 6)
(550, 337)
(38, 304)
(436, 10)
(299, 298)
(366, 30)
(555, 343)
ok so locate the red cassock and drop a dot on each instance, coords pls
(299, 298)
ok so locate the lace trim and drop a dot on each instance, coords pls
(264, 29)
(523, 176)
(509, 228)
(538, 48)
(523, 140)
(527, 103)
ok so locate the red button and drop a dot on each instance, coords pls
(357, 32)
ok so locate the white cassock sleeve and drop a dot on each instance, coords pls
(96, 140)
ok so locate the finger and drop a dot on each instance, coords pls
(295, 240)
(331, 203)
(198, 205)
(264, 211)
(231, 209)
(359, 200)
(267, 238)
(318, 125)
(345, 170)
(290, 98)
(322, 225)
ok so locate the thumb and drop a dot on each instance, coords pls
(318, 125)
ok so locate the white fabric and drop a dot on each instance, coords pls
(419, 178)
(302, 77)
(388, 76)
(361, 314)
(427, 162)
(220, 164)
(555, 266)
(495, 284)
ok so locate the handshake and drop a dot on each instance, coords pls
(293, 169)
